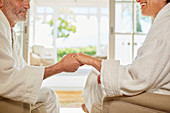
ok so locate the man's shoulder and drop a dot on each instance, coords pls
(4, 25)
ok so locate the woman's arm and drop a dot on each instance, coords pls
(89, 60)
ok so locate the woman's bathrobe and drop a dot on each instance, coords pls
(150, 70)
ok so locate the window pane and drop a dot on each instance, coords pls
(104, 33)
(78, 10)
(123, 17)
(19, 33)
(42, 10)
(126, 0)
(123, 49)
(105, 11)
(92, 10)
(43, 32)
(86, 33)
(142, 23)
(18, 27)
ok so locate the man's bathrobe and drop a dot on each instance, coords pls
(150, 70)
(18, 81)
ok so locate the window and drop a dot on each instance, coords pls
(19, 33)
(91, 21)
(130, 29)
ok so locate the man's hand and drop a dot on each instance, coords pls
(69, 63)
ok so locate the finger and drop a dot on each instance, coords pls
(81, 64)
(73, 55)
(98, 79)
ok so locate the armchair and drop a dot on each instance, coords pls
(10, 106)
(142, 103)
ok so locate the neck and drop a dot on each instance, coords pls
(12, 23)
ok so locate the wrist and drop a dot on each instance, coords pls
(97, 64)
(59, 67)
(51, 70)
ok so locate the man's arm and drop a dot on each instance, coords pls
(67, 64)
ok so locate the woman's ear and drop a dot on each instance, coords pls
(1, 4)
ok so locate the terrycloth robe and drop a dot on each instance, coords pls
(150, 70)
(18, 81)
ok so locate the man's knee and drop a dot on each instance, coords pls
(47, 94)
(47, 91)
(50, 100)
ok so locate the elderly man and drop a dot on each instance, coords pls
(19, 81)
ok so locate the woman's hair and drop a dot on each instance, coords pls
(167, 1)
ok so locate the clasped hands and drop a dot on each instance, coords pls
(71, 62)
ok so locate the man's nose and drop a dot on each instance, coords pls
(27, 4)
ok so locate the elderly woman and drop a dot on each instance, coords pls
(150, 70)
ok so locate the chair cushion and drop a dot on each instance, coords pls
(96, 108)
(10, 106)
(38, 108)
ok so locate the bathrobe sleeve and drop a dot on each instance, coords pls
(151, 68)
(18, 81)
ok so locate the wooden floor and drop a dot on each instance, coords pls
(70, 98)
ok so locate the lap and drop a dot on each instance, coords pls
(38, 108)
(10, 106)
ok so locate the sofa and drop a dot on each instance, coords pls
(41, 56)
(142, 103)
(10, 106)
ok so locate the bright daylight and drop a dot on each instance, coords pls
(59, 27)
(84, 56)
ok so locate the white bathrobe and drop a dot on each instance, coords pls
(18, 81)
(150, 71)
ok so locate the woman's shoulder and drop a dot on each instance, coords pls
(163, 13)
(160, 27)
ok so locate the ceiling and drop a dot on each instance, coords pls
(72, 3)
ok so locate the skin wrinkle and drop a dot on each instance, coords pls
(13, 14)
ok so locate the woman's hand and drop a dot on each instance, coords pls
(84, 59)
(98, 79)
(89, 60)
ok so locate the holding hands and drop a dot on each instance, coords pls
(89, 60)
(69, 63)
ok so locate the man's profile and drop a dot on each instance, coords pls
(19, 81)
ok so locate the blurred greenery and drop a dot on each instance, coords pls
(138, 24)
(91, 50)
(64, 29)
